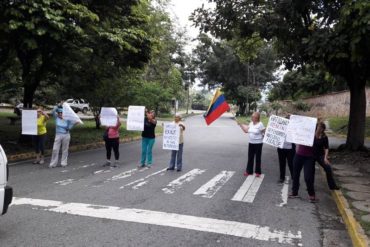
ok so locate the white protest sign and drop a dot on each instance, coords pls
(108, 116)
(69, 114)
(171, 136)
(276, 131)
(29, 122)
(135, 118)
(301, 130)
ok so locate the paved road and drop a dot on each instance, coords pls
(209, 203)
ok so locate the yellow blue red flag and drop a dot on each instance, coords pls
(216, 108)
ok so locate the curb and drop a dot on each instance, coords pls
(355, 231)
(75, 148)
(357, 234)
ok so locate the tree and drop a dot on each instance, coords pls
(67, 40)
(305, 82)
(332, 33)
(242, 76)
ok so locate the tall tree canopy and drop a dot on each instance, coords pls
(332, 33)
(49, 39)
(241, 75)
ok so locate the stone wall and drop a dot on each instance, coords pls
(331, 105)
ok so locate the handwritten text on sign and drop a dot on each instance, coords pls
(301, 130)
(171, 136)
(276, 131)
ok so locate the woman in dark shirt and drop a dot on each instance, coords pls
(148, 139)
(321, 152)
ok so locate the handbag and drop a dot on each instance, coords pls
(105, 135)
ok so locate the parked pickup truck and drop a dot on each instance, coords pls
(6, 192)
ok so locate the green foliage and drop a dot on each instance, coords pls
(334, 34)
(305, 82)
(222, 64)
(299, 105)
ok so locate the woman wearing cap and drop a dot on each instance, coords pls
(176, 155)
(62, 137)
(40, 138)
(148, 139)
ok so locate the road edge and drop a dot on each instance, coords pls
(356, 232)
(75, 148)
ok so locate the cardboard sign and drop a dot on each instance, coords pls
(29, 122)
(108, 116)
(301, 130)
(135, 118)
(275, 133)
(69, 114)
(171, 136)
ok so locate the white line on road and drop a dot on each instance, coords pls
(248, 191)
(209, 189)
(176, 184)
(284, 192)
(65, 182)
(252, 192)
(232, 228)
(239, 195)
(139, 181)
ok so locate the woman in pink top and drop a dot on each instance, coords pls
(112, 142)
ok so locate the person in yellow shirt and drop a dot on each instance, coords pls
(40, 138)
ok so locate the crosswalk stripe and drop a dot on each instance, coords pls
(177, 183)
(209, 189)
(252, 192)
(284, 192)
(239, 195)
(140, 182)
(231, 228)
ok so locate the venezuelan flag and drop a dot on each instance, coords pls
(217, 107)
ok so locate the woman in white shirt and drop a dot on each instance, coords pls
(255, 129)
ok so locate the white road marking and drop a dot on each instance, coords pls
(248, 191)
(78, 168)
(141, 180)
(122, 175)
(187, 177)
(209, 189)
(139, 185)
(284, 192)
(65, 182)
(239, 195)
(232, 228)
(252, 192)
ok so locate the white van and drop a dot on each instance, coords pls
(6, 192)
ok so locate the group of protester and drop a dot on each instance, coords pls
(111, 139)
(297, 157)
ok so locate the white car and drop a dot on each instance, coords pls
(6, 192)
(78, 105)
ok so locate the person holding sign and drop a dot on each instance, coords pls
(112, 142)
(62, 137)
(40, 138)
(304, 159)
(321, 152)
(148, 139)
(176, 155)
(255, 129)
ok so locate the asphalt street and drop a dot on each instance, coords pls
(208, 203)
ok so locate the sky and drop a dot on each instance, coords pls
(181, 10)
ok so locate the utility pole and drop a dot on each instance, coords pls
(188, 100)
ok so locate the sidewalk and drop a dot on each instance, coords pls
(352, 173)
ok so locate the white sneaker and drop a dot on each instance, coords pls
(41, 161)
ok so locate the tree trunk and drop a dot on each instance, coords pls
(29, 92)
(357, 117)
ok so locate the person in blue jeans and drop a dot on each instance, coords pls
(148, 139)
(176, 155)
